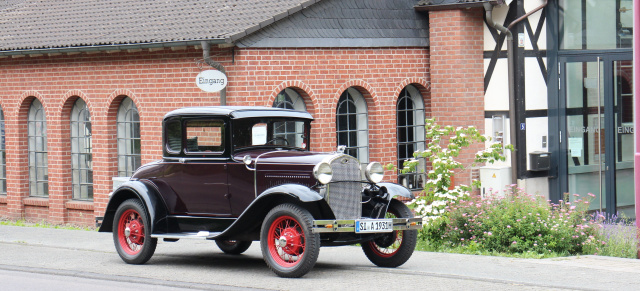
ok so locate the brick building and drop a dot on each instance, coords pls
(85, 85)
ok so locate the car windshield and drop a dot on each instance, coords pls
(270, 132)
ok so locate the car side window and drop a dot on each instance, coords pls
(205, 136)
(173, 131)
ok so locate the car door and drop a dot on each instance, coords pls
(199, 177)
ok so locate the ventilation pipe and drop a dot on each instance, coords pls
(206, 51)
(488, 7)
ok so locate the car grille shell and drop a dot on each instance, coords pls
(344, 191)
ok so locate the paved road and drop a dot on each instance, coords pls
(60, 257)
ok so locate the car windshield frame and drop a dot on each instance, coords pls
(247, 131)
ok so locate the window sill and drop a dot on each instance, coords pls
(36, 201)
(79, 205)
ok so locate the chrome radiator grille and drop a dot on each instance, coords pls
(344, 190)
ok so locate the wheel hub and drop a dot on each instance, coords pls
(290, 241)
(386, 240)
(134, 232)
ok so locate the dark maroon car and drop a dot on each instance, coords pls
(242, 174)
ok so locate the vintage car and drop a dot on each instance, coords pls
(242, 174)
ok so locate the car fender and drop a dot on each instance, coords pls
(302, 195)
(397, 190)
(144, 190)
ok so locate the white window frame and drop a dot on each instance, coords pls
(3, 155)
(357, 125)
(128, 138)
(81, 152)
(410, 117)
(37, 148)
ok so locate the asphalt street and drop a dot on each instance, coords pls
(32, 257)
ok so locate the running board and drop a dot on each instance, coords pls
(191, 235)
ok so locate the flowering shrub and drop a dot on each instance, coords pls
(515, 223)
(441, 153)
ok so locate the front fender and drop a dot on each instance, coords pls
(251, 218)
(303, 193)
(397, 190)
(139, 189)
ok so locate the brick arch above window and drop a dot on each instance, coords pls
(299, 87)
(69, 99)
(368, 93)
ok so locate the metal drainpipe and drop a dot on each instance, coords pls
(206, 48)
(510, 71)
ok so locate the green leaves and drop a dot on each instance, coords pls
(445, 144)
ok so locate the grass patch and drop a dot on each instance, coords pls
(24, 223)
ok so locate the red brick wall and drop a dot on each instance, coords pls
(457, 73)
(160, 81)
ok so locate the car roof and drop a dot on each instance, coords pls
(237, 112)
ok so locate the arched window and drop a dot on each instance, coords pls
(129, 153)
(411, 135)
(291, 131)
(37, 144)
(352, 125)
(3, 156)
(81, 159)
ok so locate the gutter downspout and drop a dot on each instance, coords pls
(206, 48)
(488, 7)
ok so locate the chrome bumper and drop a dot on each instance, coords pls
(348, 225)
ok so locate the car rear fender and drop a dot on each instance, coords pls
(145, 191)
(395, 190)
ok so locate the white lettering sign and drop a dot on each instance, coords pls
(211, 80)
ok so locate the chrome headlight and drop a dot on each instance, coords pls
(374, 172)
(323, 173)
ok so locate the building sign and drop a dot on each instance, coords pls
(211, 80)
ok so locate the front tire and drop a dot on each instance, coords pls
(233, 247)
(393, 249)
(132, 233)
(288, 245)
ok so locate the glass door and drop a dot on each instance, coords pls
(598, 126)
(623, 140)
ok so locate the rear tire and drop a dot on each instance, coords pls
(132, 233)
(393, 249)
(233, 247)
(288, 245)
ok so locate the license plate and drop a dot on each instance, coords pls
(374, 225)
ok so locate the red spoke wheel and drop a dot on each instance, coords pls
(288, 245)
(131, 233)
(393, 249)
(233, 247)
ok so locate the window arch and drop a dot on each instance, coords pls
(81, 158)
(289, 99)
(3, 156)
(352, 124)
(129, 151)
(37, 144)
(411, 131)
(291, 131)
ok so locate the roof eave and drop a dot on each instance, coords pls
(110, 47)
(453, 6)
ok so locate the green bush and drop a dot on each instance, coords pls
(515, 223)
